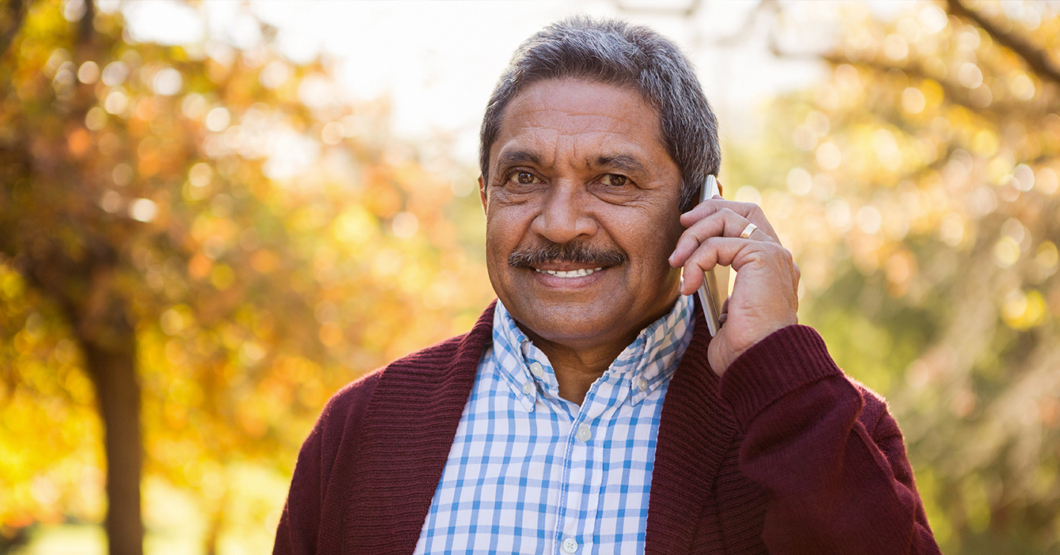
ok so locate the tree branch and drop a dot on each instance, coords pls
(14, 14)
(1037, 59)
(85, 27)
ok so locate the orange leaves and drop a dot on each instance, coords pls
(199, 266)
(259, 281)
(264, 261)
(330, 334)
(79, 142)
(380, 197)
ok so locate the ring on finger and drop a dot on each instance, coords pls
(747, 231)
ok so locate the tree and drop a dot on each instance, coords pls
(210, 236)
(918, 188)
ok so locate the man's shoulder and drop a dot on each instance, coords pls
(875, 413)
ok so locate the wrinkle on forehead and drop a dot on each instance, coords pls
(588, 149)
(541, 97)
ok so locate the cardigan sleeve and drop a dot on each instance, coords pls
(311, 520)
(829, 454)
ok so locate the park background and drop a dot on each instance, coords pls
(215, 214)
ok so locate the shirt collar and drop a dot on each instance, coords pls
(647, 363)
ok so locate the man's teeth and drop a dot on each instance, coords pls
(571, 274)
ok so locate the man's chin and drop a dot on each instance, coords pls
(571, 324)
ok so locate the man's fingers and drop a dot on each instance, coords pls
(729, 251)
(721, 223)
(749, 211)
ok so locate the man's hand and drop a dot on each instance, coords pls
(765, 293)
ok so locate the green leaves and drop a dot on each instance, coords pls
(918, 188)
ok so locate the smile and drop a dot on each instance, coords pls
(570, 274)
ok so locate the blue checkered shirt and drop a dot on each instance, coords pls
(530, 472)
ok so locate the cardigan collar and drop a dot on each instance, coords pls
(411, 401)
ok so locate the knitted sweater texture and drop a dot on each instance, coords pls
(784, 455)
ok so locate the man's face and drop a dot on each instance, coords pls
(581, 214)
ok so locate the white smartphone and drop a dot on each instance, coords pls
(715, 290)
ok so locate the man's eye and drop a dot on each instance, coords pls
(524, 178)
(615, 180)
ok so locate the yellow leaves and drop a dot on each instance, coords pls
(332, 133)
(116, 102)
(1022, 87)
(11, 284)
(1006, 252)
(885, 145)
(900, 268)
(385, 264)
(1023, 310)
(933, 93)
(215, 235)
(310, 218)
(848, 81)
(828, 156)
(355, 227)
(951, 229)
(1046, 257)
(985, 143)
(404, 225)
(222, 276)
(913, 100)
(895, 48)
(381, 199)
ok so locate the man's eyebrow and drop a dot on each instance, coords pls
(622, 162)
(513, 157)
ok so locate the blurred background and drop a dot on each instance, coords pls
(215, 214)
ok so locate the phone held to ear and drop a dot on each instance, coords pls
(713, 292)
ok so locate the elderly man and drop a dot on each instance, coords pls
(589, 410)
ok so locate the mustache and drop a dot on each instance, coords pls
(574, 253)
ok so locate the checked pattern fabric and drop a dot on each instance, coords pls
(530, 472)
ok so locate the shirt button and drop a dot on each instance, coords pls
(642, 384)
(537, 370)
(569, 545)
(584, 434)
(528, 387)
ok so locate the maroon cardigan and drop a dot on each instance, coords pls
(783, 455)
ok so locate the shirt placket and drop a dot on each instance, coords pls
(583, 471)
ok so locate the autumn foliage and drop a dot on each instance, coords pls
(200, 244)
(204, 245)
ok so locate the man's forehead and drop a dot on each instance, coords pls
(562, 94)
(609, 124)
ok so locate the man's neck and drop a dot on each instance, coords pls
(577, 365)
(577, 369)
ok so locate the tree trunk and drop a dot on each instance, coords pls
(113, 371)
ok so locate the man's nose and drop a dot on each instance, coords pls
(563, 216)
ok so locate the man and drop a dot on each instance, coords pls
(589, 410)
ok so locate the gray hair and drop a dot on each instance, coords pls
(614, 52)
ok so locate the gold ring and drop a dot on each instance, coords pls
(747, 231)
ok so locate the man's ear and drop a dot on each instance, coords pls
(721, 189)
(482, 192)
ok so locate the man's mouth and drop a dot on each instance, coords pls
(555, 256)
(569, 274)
